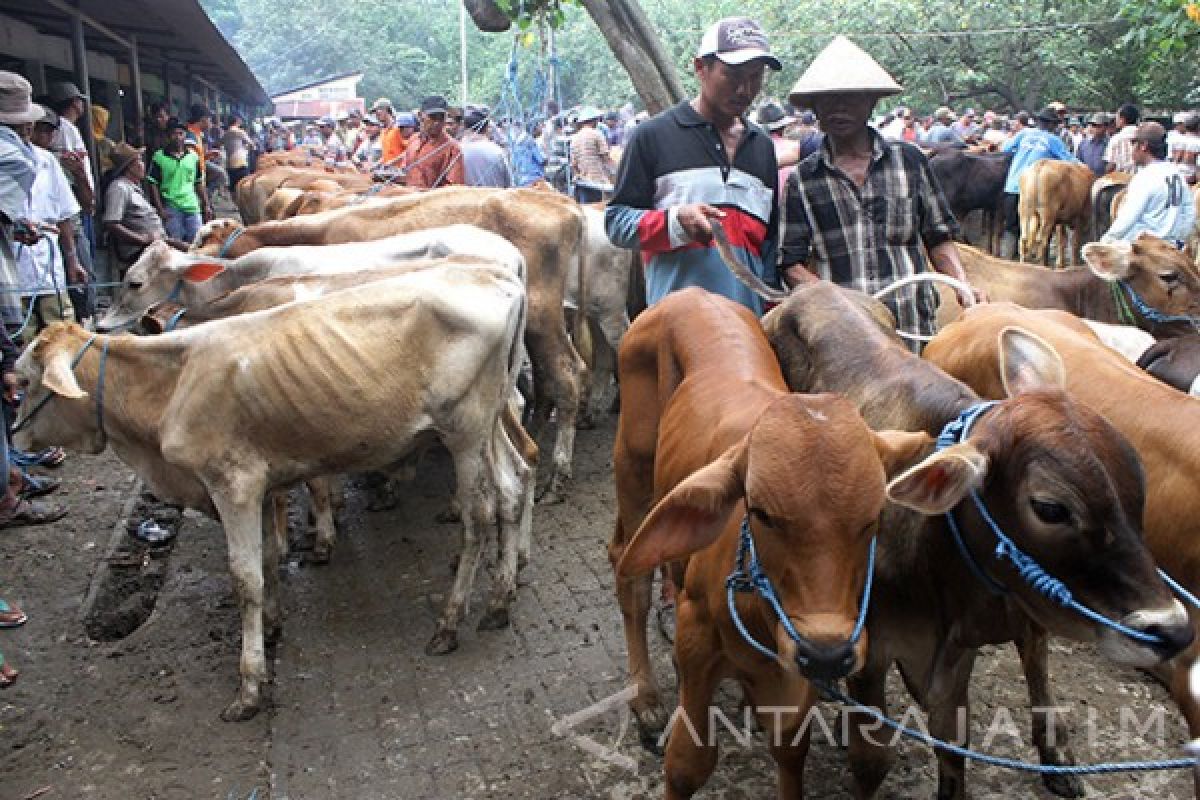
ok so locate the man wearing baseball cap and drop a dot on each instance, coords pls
(433, 159)
(1158, 200)
(703, 161)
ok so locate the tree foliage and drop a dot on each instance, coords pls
(1004, 54)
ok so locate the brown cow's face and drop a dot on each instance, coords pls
(69, 417)
(1163, 276)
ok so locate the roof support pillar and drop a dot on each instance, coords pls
(135, 81)
(79, 57)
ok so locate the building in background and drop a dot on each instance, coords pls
(330, 97)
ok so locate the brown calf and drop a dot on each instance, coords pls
(1054, 194)
(709, 430)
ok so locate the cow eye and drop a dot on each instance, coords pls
(135, 285)
(1170, 278)
(762, 517)
(1050, 512)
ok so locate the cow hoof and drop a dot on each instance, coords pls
(494, 620)
(554, 493)
(237, 711)
(1065, 785)
(651, 723)
(442, 643)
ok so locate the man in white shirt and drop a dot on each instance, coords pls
(1185, 151)
(68, 102)
(46, 267)
(1157, 200)
(1118, 155)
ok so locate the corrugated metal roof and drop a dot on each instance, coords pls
(178, 31)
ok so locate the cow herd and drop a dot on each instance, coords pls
(828, 504)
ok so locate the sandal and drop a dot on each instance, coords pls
(11, 616)
(50, 457)
(30, 512)
(8, 675)
(36, 485)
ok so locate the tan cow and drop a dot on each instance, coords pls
(314, 200)
(710, 444)
(255, 189)
(1155, 270)
(546, 227)
(1162, 424)
(931, 611)
(216, 416)
(1054, 194)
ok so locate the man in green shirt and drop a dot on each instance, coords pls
(177, 184)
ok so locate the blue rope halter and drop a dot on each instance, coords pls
(748, 576)
(957, 430)
(228, 243)
(1153, 314)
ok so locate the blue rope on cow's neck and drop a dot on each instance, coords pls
(957, 430)
(228, 243)
(174, 320)
(1153, 314)
(748, 576)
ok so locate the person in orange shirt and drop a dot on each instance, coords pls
(199, 121)
(391, 139)
(433, 159)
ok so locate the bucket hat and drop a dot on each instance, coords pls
(122, 156)
(16, 100)
(842, 67)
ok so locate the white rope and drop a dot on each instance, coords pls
(963, 289)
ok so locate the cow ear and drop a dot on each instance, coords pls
(899, 449)
(941, 481)
(1109, 260)
(690, 517)
(1029, 363)
(58, 377)
(202, 271)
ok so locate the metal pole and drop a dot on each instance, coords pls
(135, 80)
(462, 48)
(79, 56)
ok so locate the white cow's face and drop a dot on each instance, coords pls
(150, 280)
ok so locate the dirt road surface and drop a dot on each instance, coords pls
(359, 711)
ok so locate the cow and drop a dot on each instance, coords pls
(314, 199)
(191, 280)
(216, 416)
(1175, 362)
(1158, 421)
(1160, 276)
(1104, 196)
(1054, 195)
(974, 182)
(255, 189)
(714, 456)
(608, 270)
(931, 612)
(546, 227)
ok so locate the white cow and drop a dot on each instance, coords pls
(215, 416)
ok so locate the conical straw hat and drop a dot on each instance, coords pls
(842, 67)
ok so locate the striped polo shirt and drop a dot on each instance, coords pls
(675, 159)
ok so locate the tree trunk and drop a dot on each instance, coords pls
(637, 47)
(487, 16)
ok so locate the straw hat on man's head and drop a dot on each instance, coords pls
(842, 68)
(16, 100)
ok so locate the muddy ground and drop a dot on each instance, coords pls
(360, 712)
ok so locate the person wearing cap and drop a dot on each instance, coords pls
(965, 126)
(1186, 149)
(1118, 157)
(68, 102)
(859, 210)
(1028, 146)
(176, 185)
(433, 159)
(529, 160)
(130, 219)
(1091, 150)
(942, 132)
(699, 161)
(332, 149)
(351, 131)
(1157, 199)
(238, 146)
(774, 120)
(17, 171)
(592, 166)
(484, 161)
(47, 267)
(996, 132)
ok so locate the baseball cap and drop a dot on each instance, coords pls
(1150, 133)
(382, 102)
(405, 119)
(737, 40)
(1099, 118)
(434, 104)
(48, 118)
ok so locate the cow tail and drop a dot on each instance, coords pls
(581, 331)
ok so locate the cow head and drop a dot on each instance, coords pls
(212, 235)
(65, 414)
(811, 477)
(153, 279)
(1159, 272)
(1068, 489)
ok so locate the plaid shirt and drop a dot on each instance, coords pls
(869, 238)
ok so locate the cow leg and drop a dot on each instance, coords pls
(320, 496)
(527, 456)
(241, 517)
(691, 756)
(558, 372)
(513, 480)
(279, 521)
(1049, 731)
(271, 556)
(478, 509)
(786, 704)
(947, 694)
(870, 756)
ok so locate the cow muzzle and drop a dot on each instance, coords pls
(825, 663)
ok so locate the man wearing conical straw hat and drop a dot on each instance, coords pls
(858, 211)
